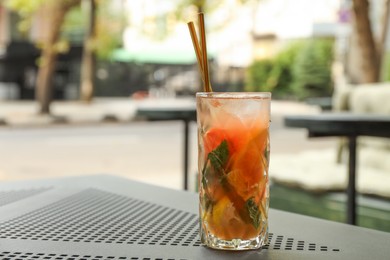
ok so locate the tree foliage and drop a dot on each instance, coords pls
(301, 70)
(109, 28)
(259, 76)
(312, 69)
(63, 16)
(26, 9)
(108, 24)
(275, 74)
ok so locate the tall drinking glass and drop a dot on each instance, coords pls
(233, 159)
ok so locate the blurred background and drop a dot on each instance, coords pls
(75, 73)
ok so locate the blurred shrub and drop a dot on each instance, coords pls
(311, 70)
(282, 75)
(259, 76)
(302, 69)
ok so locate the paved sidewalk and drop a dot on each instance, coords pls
(83, 141)
(101, 110)
(24, 113)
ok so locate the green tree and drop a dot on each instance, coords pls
(95, 40)
(56, 11)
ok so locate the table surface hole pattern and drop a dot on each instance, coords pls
(29, 255)
(96, 216)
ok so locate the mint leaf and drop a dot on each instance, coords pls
(254, 212)
(205, 172)
(207, 202)
(216, 160)
(219, 157)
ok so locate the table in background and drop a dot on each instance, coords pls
(347, 125)
(107, 217)
(166, 111)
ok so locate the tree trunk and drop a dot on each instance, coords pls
(48, 60)
(88, 63)
(381, 46)
(370, 66)
(57, 11)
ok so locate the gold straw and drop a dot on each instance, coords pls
(198, 52)
(204, 53)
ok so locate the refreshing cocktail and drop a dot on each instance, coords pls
(233, 136)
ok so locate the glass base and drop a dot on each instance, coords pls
(234, 244)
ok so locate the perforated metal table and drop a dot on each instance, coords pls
(106, 217)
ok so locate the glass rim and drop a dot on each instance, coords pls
(233, 94)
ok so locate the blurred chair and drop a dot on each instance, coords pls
(371, 98)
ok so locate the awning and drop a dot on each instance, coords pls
(155, 56)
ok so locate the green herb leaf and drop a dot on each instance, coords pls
(207, 202)
(219, 157)
(254, 212)
(205, 172)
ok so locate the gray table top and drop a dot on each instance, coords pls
(341, 124)
(107, 217)
(167, 113)
(167, 109)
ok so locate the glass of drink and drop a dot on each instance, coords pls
(233, 159)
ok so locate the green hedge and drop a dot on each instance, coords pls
(301, 70)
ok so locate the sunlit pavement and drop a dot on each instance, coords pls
(85, 143)
(24, 113)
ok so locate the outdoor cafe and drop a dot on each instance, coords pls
(109, 217)
(228, 208)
